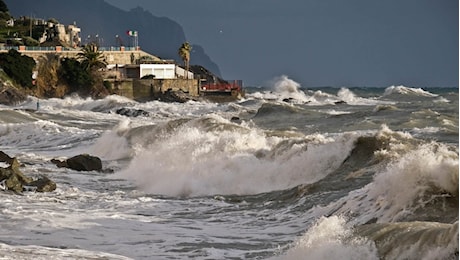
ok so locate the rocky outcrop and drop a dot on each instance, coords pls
(175, 96)
(82, 162)
(203, 73)
(9, 95)
(12, 179)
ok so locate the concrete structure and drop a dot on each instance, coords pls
(112, 55)
(151, 89)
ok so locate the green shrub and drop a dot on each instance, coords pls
(18, 67)
(76, 76)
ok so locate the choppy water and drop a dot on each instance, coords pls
(287, 173)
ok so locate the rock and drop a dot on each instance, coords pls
(11, 178)
(10, 96)
(43, 184)
(175, 96)
(59, 163)
(5, 157)
(235, 119)
(131, 112)
(203, 73)
(84, 162)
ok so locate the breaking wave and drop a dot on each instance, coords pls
(402, 90)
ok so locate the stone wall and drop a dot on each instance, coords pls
(150, 89)
(123, 88)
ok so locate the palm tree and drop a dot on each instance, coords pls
(91, 58)
(184, 53)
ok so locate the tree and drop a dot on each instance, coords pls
(184, 53)
(18, 67)
(3, 7)
(76, 76)
(91, 61)
(91, 58)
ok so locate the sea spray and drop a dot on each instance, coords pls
(193, 162)
(331, 238)
(335, 159)
(405, 184)
(113, 145)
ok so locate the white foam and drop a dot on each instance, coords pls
(330, 238)
(193, 162)
(112, 145)
(283, 88)
(407, 91)
(350, 98)
(46, 253)
(401, 187)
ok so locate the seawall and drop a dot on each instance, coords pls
(150, 89)
(113, 55)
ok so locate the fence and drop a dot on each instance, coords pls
(60, 48)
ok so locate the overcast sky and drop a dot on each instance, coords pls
(322, 42)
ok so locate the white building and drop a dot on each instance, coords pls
(164, 71)
(10, 22)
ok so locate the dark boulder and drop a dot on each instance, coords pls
(5, 158)
(84, 162)
(59, 163)
(131, 112)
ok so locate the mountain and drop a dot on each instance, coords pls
(159, 36)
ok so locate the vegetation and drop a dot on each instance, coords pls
(49, 83)
(4, 12)
(25, 31)
(83, 75)
(56, 77)
(3, 7)
(184, 53)
(18, 67)
(91, 58)
(74, 74)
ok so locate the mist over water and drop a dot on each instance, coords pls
(286, 173)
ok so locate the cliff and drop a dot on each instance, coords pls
(159, 36)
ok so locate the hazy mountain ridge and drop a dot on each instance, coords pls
(160, 36)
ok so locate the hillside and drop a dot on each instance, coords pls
(157, 35)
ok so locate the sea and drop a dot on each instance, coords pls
(287, 172)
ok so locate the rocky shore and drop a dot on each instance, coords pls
(11, 95)
(12, 179)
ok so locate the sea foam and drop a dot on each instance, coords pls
(192, 161)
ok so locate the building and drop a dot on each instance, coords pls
(69, 34)
(164, 71)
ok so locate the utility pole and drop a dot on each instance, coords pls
(30, 32)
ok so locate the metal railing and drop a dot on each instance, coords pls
(54, 48)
